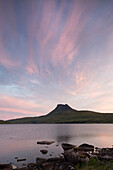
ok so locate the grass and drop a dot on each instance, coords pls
(95, 164)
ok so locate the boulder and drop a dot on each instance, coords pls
(44, 151)
(75, 156)
(86, 147)
(72, 156)
(67, 146)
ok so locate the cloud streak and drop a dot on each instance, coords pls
(55, 52)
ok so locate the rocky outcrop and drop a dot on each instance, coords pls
(76, 156)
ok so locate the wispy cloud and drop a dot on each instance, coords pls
(55, 51)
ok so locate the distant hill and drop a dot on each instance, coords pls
(4, 122)
(65, 114)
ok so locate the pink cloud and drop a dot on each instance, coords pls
(16, 105)
(14, 101)
(10, 110)
(31, 67)
(7, 21)
(58, 42)
(68, 45)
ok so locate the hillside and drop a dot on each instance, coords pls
(65, 114)
(4, 122)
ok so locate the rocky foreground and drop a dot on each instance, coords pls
(72, 158)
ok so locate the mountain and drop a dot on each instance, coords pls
(65, 114)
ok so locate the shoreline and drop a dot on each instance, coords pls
(72, 157)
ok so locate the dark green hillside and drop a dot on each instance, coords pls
(65, 114)
(4, 122)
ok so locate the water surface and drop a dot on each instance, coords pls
(21, 140)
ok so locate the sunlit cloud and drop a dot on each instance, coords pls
(55, 52)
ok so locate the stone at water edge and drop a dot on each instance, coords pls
(75, 156)
(67, 146)
(23, 159)
(86, 147)
(45, 142)
(71, 156)
(44, 151)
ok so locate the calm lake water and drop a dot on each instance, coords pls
(21, 140)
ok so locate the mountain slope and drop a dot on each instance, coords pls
(4, 122)
(65, 114)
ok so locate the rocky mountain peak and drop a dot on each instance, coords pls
(63, 107)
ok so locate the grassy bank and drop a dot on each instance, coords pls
(95, 164)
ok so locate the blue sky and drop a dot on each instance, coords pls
(55, 51)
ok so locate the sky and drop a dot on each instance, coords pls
(55, 52)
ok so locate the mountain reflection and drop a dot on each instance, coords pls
(63, 138)
(63, 133)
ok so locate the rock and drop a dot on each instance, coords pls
(14, 166)
(93, 156)
(47, 166)
(65, 166)
(5, 166)
(44, 164)
(67, 146)
(31, 166)
(105, 157)
(76, 156)
(57, 159)
(85, 160)
(23, 168)
(72, 156)
(106, 151)
(24, 164)
(87, 147)
(23, 159)
(44, 151)
(40, 161)
(45, 142)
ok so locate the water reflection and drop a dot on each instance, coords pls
(63, 133)
(21, 140)
(63, 138)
